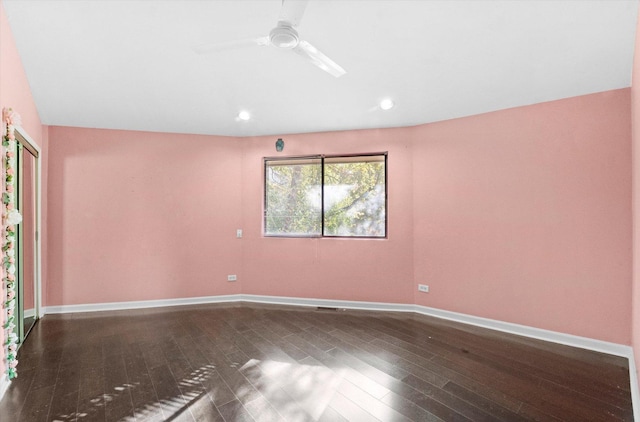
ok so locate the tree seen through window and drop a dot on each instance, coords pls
(326, 196)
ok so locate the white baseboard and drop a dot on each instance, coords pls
(507, 327)
(329, 303)
(531, 332)
(492, 324)
(28, 313)
(273, 300)
(141, 304)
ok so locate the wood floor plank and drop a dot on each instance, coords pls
(495, 410)
(402, 396)
(262, 410)
(118, 403)
(235, 411)
(367, 384)
(203, 409)
(331, 415)
(37, 406)
(441, 375)
(285, 385)
(266, 333)
(611, 370)
(218, 390)
(257, 362)
(371, 404)
(371, 359)
(520, 389)
(167, 391)
(64, 405)
(350, 410)
(45, 377)
(493, 354)
(409, 408)
(266, 347)
(410, 363)
(17, 394)
(91, 397)
(448, 399)
(432, 406)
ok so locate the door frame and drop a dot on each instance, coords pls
(23, 137)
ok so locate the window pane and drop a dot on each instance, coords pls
(355, 196)
(293, 201)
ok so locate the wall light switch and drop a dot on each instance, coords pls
(239, 233)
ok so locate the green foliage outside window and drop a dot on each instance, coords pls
(332, 196)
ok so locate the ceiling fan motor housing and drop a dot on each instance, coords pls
(284, 36)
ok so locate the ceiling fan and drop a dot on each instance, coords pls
(284, 36)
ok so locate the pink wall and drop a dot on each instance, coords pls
(15, 93)
(141, 216)
(343, 269)
(524, 215)
(14, 87)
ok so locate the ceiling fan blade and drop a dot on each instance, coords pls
(292, 11)
(316, 57)
(230, 45)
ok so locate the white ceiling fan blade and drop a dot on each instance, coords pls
(319, 59)
(230, 45)
(292, 11)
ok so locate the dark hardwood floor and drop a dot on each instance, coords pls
(245, 362)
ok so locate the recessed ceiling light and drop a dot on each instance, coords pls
(387, 104)
(244, 115)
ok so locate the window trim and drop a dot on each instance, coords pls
(322, 157)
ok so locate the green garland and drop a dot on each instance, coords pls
(11, 217)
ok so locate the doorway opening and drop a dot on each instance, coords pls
(28, 251)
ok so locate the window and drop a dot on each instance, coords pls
(326, 196)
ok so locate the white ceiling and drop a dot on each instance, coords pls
(131, 64)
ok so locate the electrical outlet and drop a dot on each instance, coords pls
(423, 288)
(232, 277)
(239, 233)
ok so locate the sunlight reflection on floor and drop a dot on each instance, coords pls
(298, 389)
(310, 386)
